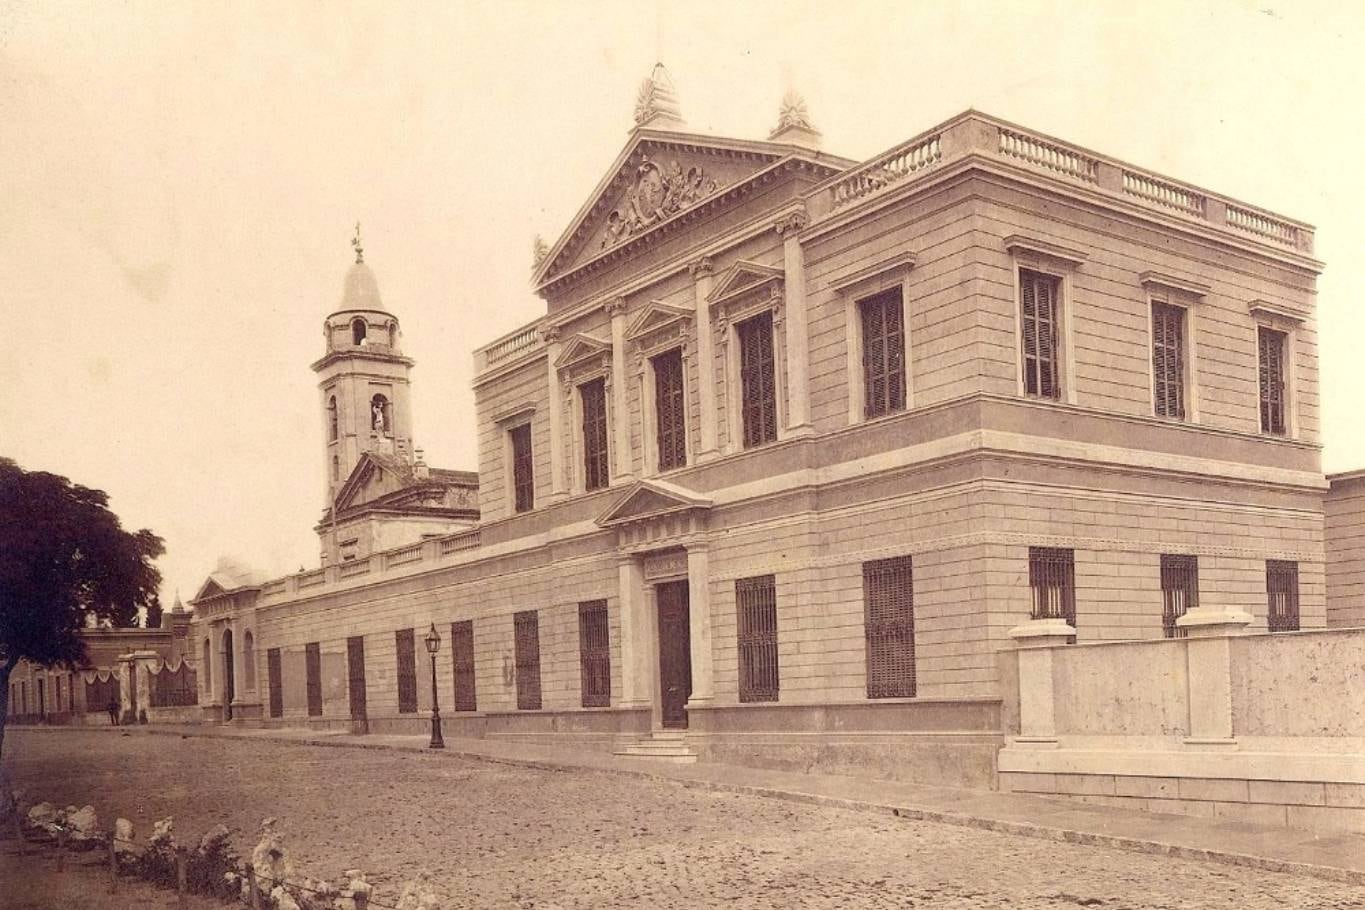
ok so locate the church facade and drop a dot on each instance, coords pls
(797, 441)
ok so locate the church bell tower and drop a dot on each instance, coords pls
(363, 376)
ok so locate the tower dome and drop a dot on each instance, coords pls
(361, 291)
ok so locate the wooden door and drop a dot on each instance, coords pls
(675, 652)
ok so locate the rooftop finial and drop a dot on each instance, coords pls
(359, 249)
(793, 122)
(656, 104)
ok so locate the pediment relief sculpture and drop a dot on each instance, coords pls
(658, 193)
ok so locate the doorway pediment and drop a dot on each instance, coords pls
(650, 499)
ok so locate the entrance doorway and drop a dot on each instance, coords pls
(229, 684)
(675, 652)
(355, 672)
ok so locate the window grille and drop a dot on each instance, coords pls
(889, 626)
(757, 379)
(312, 662)
(1168, 359)
(669, 410)
(1038, 295)
(1052, 582)
(593, 396)
(171, 688)
(1179, 591)
(406, 645)
(527, 632)
(523, 477)
(462, 653)
(1271, 346)
(883, 353)
(274, 681)
(756, 609)
(355, 676)
(594, 653)
(1282, 595)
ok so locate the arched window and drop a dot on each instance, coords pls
(207, 675)
(332, 419)
(357, 331)
(249, 661)
(381, 415)
(393, 334)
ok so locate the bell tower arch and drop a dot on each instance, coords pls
(363, 378)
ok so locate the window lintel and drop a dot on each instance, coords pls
(876, 277)
(1019, 244)
(1160, 282)
(1275, 315)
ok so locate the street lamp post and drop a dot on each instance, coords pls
(433, 643)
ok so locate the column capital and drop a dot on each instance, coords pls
(549, 333)
(616, 307)
(788, 226)
(702, 267)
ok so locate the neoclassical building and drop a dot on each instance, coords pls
(797, 440)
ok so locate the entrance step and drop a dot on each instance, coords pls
(660, 745)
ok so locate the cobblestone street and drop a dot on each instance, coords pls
(502, 836)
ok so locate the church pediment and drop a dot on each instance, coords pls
(658, 177)
(369, 480)
(649, 499)
(209, 588)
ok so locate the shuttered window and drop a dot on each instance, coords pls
(405, 645)
(462, 654)
(312, 669)
(757, 380)
(1052, 583)
(669, 410)
(526, 627)
(756, 616)
(1271, 346)
(1038, 295)
(594, 653)
(355, 677)
(1282, 595)
(1179, 591)
(523, 478)
(274, 678)
(889, 627)
(1168, 360)
(883, 353)
(593, 396)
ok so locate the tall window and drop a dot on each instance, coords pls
(312, 668)
(593, 396)
(594, 653)
(357, 331)
(332, 419)
(1052, 583)
(462, 652)
(889, 626)
(1038, 295)
(406, 646)
(523, 481)
(670, 410)
(1282, 595)
(1179, 591)
(756, 615)
(526, 628)
(883, 353)
(1168, 359)
(1271, 345)
(757, 379)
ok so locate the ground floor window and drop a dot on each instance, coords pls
(756, 621)
(462, 654)
(273, 675)
(1052, 583)
(1282, 595)
(594, 650)
(312, 665)
(526, 627)
(889, 627)
(405, 644)
(1179, 591)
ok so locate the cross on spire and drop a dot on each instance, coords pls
(359, 249)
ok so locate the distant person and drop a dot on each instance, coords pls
(113, 713)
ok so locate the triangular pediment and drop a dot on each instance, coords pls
(209, 588)
(651, 498)
(656, 315)
(581, 347)
(742, 277)
(371, 478)
(659, 176)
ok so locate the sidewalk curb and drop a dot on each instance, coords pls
(1016, 828)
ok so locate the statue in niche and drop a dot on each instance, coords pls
(377, 422)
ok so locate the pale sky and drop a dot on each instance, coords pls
(178, 185)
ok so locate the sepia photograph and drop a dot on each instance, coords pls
(547, 455)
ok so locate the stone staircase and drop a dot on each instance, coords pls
(659, 745)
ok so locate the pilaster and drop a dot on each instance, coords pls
(558, 481)
(1036, 640)
(624, 462)
(702, 272)
(797, 337)
(699, 625)
(635, 640)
